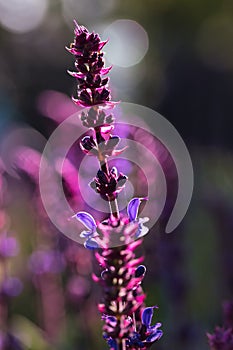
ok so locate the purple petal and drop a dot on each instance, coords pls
(87, 220)
(85, 234)
(147, 316)
(91, 244)
(132, 208)
(154, 336)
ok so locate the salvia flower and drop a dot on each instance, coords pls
(127, 322)
(108, 233)
(90, 234)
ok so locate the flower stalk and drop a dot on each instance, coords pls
(127, 322)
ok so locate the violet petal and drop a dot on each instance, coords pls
(91, 244)
(147, 315)
(85, 234)
(132, 208)
(87, 220)
(154, 336)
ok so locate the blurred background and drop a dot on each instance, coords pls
(174, 56)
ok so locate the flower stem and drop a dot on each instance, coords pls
(122, 344)
(105, 168)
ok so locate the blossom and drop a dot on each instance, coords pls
(46, 261)
(87, 220)
(105, 234)
(221, 339)
(147, 334)
(132, 211)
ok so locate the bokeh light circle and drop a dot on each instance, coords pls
(19, 16)
(52, 192)
(128, 42)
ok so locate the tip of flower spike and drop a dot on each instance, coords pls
(79, 28)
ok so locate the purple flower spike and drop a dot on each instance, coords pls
(147, 316)
(86, 219)
(133, 207)
(92, 87)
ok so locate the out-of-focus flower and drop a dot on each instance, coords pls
(46, 261)
(11, 287)
(8, 246)
(222, 338)
(9, 342)
(78, 288)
